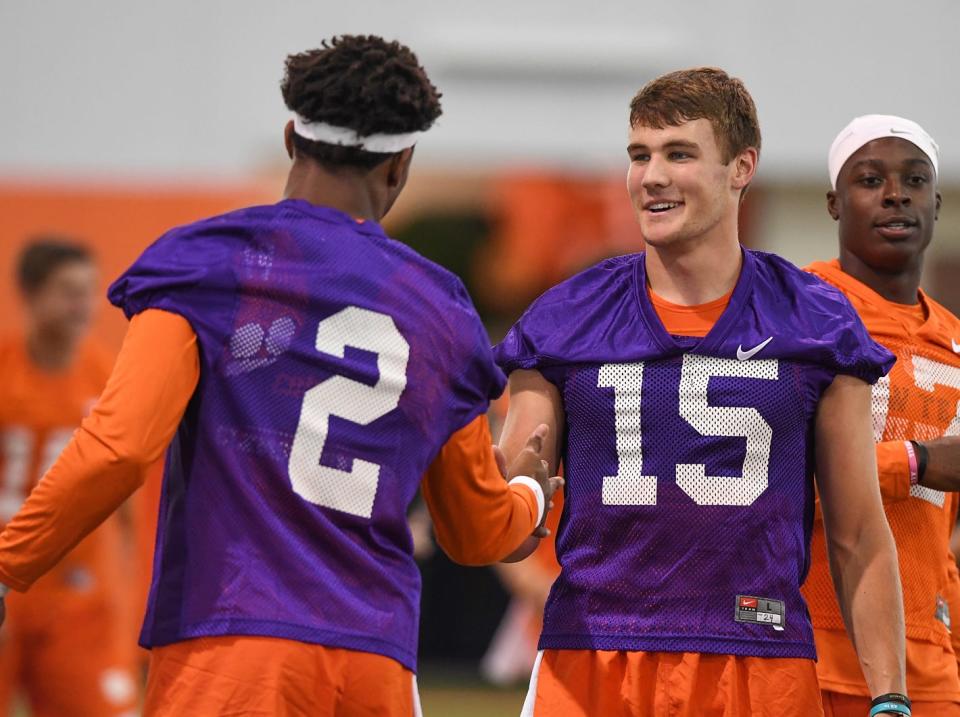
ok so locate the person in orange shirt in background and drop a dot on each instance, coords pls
(884, 175)
(69, 644)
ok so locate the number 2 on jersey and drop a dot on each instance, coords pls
(351, 490)
(631, 487)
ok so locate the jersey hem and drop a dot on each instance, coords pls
(711, 645)
(300, 633)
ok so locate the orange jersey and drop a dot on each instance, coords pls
(919, 399)
(70, 644)
(39, 412)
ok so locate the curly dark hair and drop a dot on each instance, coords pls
(363, 83)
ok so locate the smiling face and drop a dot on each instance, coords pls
(679, 184)
(886, 201)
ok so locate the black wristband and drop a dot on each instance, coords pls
(891, 696)
(923, 456)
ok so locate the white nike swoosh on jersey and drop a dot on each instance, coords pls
(744, 355)
(956, 346)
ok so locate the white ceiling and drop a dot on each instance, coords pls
(187, 89)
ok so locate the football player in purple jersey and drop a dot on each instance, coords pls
(309, 375)
(692, 392)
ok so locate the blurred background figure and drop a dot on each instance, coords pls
(68, 646)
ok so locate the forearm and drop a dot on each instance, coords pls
(863, 556)
(478, 518)
(942, 469)
(867, 582)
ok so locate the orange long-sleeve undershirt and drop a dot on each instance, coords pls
(479, 518)
(476, 521)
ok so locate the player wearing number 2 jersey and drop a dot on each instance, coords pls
(692, 390)
(309, 371)
(883, 172)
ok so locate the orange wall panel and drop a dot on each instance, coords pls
(116, 221)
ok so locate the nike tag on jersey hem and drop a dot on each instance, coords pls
(760, 611)
(745, 355)
(956, 346)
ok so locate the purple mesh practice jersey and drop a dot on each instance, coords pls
(689, 462)
(335, 363)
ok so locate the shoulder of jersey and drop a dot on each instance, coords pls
(211, 241)
(946, 326)
(588, 291)
(592, 316)
(810, 295)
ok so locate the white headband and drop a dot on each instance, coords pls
(870, 127)
(331, 134)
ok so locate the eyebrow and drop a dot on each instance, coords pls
(671, 144)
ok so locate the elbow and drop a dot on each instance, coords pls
(871, 541)
(131, 458)
(471, 556)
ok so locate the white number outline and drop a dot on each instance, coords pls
(352, 490)
(631, 487)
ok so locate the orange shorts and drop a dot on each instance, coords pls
(585, 683)
(271, 677)
(72, 654)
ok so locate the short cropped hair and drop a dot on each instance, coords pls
(363, 83)
(44, 255)
(701, 93)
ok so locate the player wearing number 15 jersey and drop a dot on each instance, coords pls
(309, 371)
(693, 390)
(883, 172)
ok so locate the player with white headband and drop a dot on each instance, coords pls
(312, 375)
(883, 174)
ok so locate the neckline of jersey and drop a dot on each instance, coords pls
(709, 343)
(365, 226)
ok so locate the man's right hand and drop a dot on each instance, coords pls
(529, 462)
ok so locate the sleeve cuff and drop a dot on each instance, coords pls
(537, 492)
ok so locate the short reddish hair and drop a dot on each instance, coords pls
(700, 93)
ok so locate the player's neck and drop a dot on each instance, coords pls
(900, 287)
(50, 351)
(346, 191)
(696, 271)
